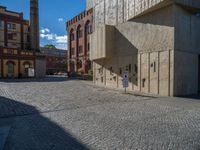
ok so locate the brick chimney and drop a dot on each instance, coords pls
(34, 25)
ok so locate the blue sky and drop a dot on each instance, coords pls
(53, 15)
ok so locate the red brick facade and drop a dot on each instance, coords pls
(56, 60)
(79, 29)
(15, 45)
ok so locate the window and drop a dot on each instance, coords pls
(89, 29)
(88, 47)
(1, 24)
(12, 36)
(10, 69)
(11, 26)
(80, 49)
(80, 33)
(26, 66)
(72, 37)
(72, 51)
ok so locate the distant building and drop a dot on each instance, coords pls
(79, 30)
(56, 60)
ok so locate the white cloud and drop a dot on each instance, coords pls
(44, 30)
(47, 36)
(60, 41)
(61, 46)
(60, 19)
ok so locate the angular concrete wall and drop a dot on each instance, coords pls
(187, 50)
(113, 12)
(144, 47)
(185, 74)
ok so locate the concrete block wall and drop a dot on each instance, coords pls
(113, 12)
(148, 72)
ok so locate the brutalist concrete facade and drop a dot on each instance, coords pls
(156, 41)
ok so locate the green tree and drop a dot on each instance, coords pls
(50, 46)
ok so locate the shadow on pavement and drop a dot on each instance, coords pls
(32, 131)
(195, 97)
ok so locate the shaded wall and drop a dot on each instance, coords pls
(187, 50)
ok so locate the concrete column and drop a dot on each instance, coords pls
(34, 25)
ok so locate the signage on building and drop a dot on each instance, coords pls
(31, 72)
(125, 80)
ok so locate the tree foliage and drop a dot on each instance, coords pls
(50, 46)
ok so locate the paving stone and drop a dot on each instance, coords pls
(75, 114)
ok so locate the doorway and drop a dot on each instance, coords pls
(10, 66)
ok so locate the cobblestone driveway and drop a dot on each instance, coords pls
(65, 115)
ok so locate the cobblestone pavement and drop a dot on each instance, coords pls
(65, 115)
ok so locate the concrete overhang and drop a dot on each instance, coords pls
(102, 42)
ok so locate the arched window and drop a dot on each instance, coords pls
(10, 67)
(88, 28)
(27, 65)
(72, 35)
(79, 64)
(79, 32)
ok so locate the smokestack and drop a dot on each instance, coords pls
(34, 25)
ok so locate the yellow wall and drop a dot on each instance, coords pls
(16, 69)
(5, 68)
(22, 68)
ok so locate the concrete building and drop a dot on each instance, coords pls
(90, 4)
(56, 60)
(156, 41)
(79, 30)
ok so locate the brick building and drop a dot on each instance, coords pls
(15, 60)
(19, 44)
(56, 60)
(79, 30)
